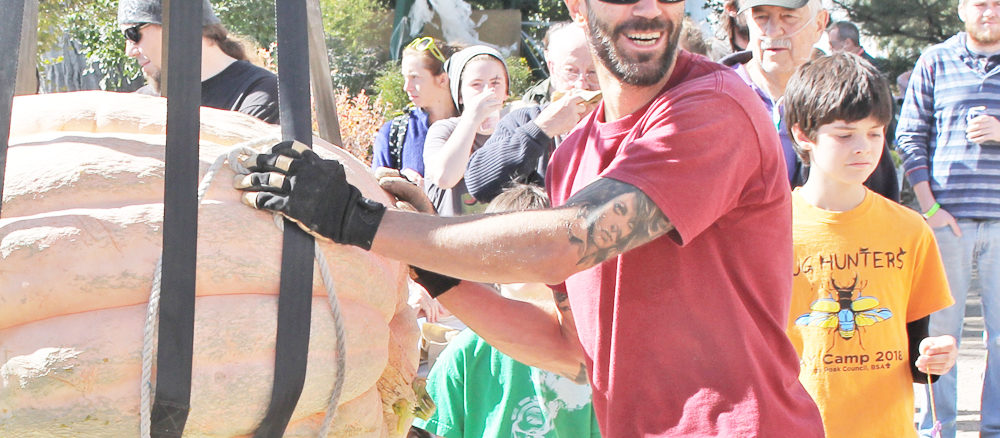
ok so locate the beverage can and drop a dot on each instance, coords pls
(974, 112)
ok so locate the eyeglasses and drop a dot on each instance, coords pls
(132, 33)
(426, 43)
(632, 2)
(572, 74)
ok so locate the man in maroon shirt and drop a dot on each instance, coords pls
(669, 249)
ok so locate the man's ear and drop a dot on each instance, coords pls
(823, 18)
(575, 11)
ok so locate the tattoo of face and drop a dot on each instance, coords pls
(612, 218)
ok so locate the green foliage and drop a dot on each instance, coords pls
(357, 54)
(531, 10)
(353, 68)
(520, 76)
(389, 88)
(904, 27)
(352, 22)
(253, 19)
(93, 24)
(715, 6)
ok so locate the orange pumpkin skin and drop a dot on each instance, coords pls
(80, 235)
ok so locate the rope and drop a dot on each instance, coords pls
(936, 430)
(338, 322)
(152, 310)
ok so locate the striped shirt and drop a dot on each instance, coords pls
(947, 81)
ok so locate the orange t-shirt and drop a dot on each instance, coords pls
(859, 277)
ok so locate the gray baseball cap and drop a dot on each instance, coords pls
(151, 11)
(790, 4)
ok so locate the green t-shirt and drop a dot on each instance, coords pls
(481, 392)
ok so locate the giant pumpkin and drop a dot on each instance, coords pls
(80, 235)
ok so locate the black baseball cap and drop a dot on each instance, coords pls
(790, 4)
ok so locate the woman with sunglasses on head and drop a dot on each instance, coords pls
(400, 143)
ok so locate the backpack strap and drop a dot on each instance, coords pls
(397, 135)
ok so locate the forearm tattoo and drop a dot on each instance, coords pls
(562, 303)
(612, 218)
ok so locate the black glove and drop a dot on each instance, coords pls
(313, 192)
(435, 284)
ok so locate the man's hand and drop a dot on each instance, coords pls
(425, 305)
(409, 194)
(937, 355)
(942, 218)
(313, 192)
(983, 129)
(561, 115)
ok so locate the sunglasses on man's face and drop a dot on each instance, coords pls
(632, 2)
(132, 33)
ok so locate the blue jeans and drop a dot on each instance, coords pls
(978, 248)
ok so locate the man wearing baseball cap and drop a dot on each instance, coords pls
(782, 35)
(228, 80)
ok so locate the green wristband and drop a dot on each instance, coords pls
(934, 209)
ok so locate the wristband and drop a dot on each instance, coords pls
(930, 212)
(435, 284)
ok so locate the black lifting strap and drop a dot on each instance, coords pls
(182, 52)
(10, 42)
(295, 297)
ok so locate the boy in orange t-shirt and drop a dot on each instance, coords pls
(867, 271)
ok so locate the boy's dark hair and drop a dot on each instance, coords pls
(842, 86)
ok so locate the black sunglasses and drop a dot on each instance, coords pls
(132, 33)
(632, 2)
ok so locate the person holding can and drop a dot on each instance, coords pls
(948, 136)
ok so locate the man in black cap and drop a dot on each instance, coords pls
(782, 35)
(228, 80)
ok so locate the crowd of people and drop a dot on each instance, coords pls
(672, 236)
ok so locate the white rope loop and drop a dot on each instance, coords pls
(152, 309)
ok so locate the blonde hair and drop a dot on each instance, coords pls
(519, 197)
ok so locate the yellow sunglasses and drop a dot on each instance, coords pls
(426, 43)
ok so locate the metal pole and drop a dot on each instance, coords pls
(10, 41)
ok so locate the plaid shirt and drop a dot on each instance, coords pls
(947, 80)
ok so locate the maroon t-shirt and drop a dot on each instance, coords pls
(684, 336)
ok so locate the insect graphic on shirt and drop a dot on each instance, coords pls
(844, 312)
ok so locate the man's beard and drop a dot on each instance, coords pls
(643, 70)
(982, 34)
(153, 80)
